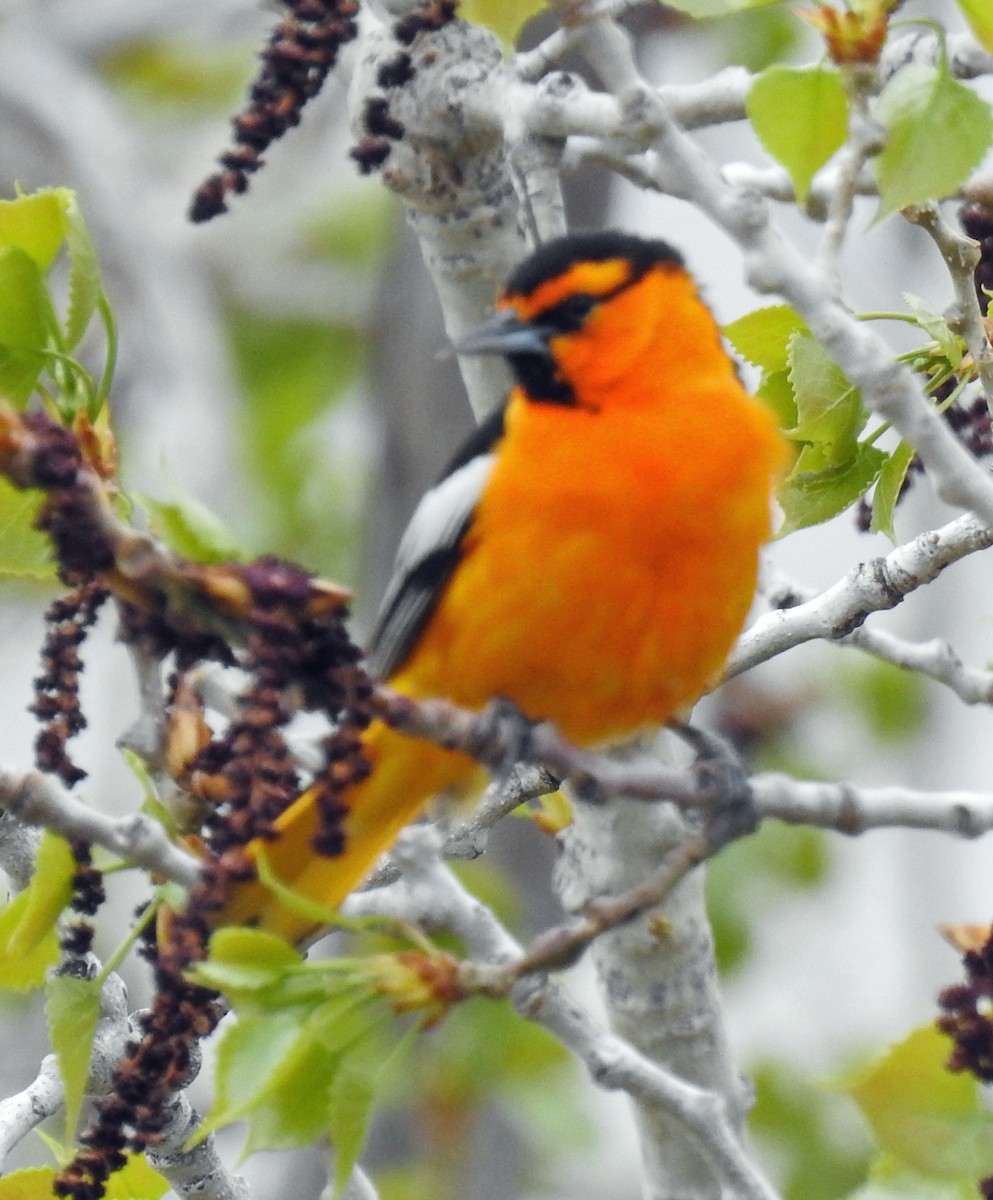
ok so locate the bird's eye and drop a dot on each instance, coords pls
(570, 314)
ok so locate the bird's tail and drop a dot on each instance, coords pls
(406, 772)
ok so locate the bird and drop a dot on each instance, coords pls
(589, 555)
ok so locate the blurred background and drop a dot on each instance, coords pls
(280, 365)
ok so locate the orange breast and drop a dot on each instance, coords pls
(611, 564)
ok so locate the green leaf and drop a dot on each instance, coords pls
(763, 337)
(73, 1007)
(31, 1183)
(150, 802)
(136, 1181)
(776, 391)
(178, 76)
(889, 1181)
(801, 118)
(810, 496)
(292, 373)
(35, 224)
(888, 702)
(704, 9)
(354, 1090)
(85, 286)
(22, 972)
(48, 893)
(887, 491)
(933, 323)
(923, 1116)
(294, 1110)
(251, 1053)
(920, 161)
(24, 551)
(829, 408)
(356, 232)
(24, 324)
(979, 14)
(505, 18)
(189, 527)
(813, 1136)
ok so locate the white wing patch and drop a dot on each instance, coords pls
(428, 553)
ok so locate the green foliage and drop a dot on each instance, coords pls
(926, 1121)
(888, 702)
(801, 117)
(309, 1051)
(777, 860)
(757, 39)
(179, 77)
(355, 232)
(819, 1156)
(24, 552)
(292, 372)
(887, 491)
(920, 161)
(72, 1007)
(24, 970)
(505, 18)
(837, 460)
(191, 529)
(36, 343)
(28, 936)
(979, 14)
(135, 1181)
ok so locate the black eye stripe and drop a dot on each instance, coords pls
(570, 314)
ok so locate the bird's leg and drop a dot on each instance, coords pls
(505, 736)
(723, 785)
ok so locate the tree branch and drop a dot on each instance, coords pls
(41, 800)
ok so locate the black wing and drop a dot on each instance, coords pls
(430, 549)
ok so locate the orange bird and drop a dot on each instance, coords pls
(590, 554)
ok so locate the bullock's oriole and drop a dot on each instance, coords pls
(591, 553)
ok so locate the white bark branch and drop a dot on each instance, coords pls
(873, 586)
(430, 894)
(40, 799)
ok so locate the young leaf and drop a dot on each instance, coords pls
(73, 1007)
(35, 224)
(887, 491)
(505, 18)
(923, 1116)
(189, 527)
(979, 14)
(24, 551)
(136, 1180)
(888, 1182)
(920, 161)
(251, 1052)
(85, 287)
(31, 1183)
(294, 1110)
(776, 392)
(763, 337)
(829, 408)
(354, 1090)
(24, 324)
(936, 326)
(48, 893)
(801, 117)
(20, 972)
(809, 497)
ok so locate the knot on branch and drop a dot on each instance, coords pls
(300, 53)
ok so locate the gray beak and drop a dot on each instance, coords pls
(503, 333)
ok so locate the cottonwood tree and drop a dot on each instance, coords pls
(886, 120)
